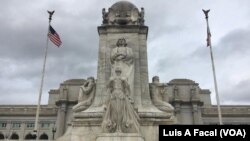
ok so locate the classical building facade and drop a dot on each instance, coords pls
(78, 105)
(191, 103)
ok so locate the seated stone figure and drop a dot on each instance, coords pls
(156, 92)
(86, 95)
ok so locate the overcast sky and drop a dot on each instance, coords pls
(176, 45)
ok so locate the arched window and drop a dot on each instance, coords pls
(29, 137)
(1, 136)
(44, 137)
(14, 136)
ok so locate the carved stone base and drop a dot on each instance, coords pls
(86, 126)
(149, 115)
(119, 137)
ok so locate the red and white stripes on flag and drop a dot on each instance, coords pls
(54, 37)
(208, 37)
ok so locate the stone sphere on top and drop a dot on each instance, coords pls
(123, 6)
(123, 13)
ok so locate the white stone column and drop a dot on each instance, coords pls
(61, 120)
(61, 114)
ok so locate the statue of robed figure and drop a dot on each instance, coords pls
(120, 115)
(122, 57)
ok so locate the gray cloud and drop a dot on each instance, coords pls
(176, 44)
(238, 94)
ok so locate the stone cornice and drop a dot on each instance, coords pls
(73, 82)
(54, 91)
(62, 101)
(227, 111)
(205, 91)
(123, 29)
(182, 82)
(27, 110)
(193, 101)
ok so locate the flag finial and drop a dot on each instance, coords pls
(206, 12)
(50, 14)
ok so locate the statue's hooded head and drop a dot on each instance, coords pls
(121, 42)
(156, 79)
(91, 78)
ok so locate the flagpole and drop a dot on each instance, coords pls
(213, 67)
(42, 79)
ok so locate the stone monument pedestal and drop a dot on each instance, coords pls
(122, 98)
(86, 126)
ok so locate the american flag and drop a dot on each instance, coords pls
(208, 37)
(54, 37)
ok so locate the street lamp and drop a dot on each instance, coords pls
(53, 132)
(34, 134)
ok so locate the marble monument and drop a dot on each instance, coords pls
(119, 105)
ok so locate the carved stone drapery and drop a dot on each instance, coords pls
(120, 115)
(156, 91)
(122, 57)
(86, 95)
